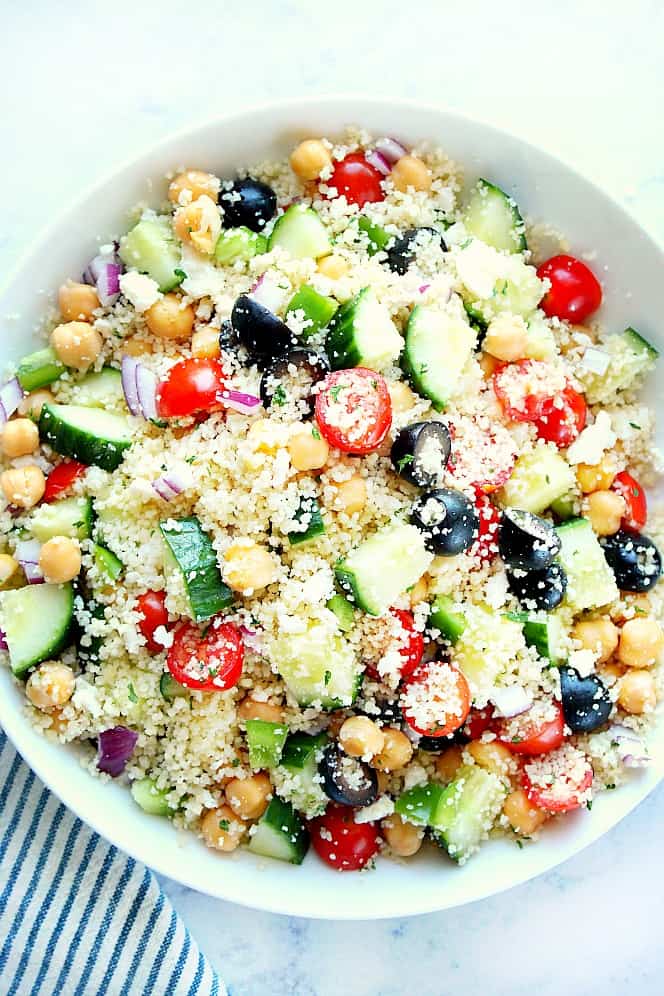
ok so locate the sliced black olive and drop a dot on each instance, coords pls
(385, 711)
(420, 453)
(539, 589)
(586, 701)
(292, 377)
(526, 541)
(259, 330)
(403, 250)
(248, 202)
(346, 779)
(227, 335)
(634, 559)
(448, 520)
(438, 745)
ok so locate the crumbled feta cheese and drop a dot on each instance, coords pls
(593, 441)
(383, 806)
(140, 290)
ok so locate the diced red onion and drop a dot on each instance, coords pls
(146, 384)
(114, 748)
(423, 288)
(245, 404)
(11, 395)
(170, 485)
(512, 700)
(129, 387)
(3, 641)
(27, 554)
(104, 273)
(379, 162)
(267, 292)
(252, 639)
(391, 150)
(631, 750)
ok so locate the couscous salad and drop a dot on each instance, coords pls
(323, 513)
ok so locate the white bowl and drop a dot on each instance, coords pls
(631, 266)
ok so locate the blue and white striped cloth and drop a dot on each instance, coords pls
(78, 917)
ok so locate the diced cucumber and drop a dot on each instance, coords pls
(631, 358)
(493, 281)
(493, 216)
(190, 550)
(39, 369)
(172, 689)
(317, 666)
(90, 435)
(344, 612)
(545, 635)
(590, 580)
(309, 517)
(447, 618)
(298, 778)
(488, 642)
(150, 247)
(69, 517)
(107, 563)
(419, 803)
(384, 566)
(280, 833)
(317, 308)
(362, 334)
(101, 390)
(466, 811)
(151, 799)
(540, 340)
(265, 741)
(238, 243)
(35, 621)
(538, 478)
(301, 233)
(438, 347)
(565, 507)
(377, 236)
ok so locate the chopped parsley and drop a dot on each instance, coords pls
(314, 432)
(405, 460)
(634, 425)
(280, 397)
(190, 459)
(328, 678)
(131, 693)
(334, 391)
(224, 825)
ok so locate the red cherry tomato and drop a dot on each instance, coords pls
(410, 643)
(478, 722)
(485, 547)
(435, 700)
(354, 410)
(152, 606)
(191, 386)
(533, 733)
(61, 478)
(483, 456)
(564, 419)
(552, 788)
(635, 500)
(342, 843)
(210, 661)
(521, 389)
(575, 292)
(357, 180)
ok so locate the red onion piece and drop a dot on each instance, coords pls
(379, 162)
(631, 749)
(391, 150)
(146, 385)
(104, 273)
(11, 395)
(129, 387)
(267, 292)
(27, 553)
(115, 747)
(245, 404)
(511, 701)
(170, 485)
(423, 288)
(3, 641)
(252, 638)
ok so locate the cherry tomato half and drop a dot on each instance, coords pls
(552, 791)
(485, 547)
(635, 500)
(575, 292)
(564, 420)
(440, 692)
(483, 456)
(191, 386)
(152, 606)
(61, 478)
(342, 843)
(521, 389)
(357, 180)
(478, 722)
(354, 410)
(532, 733)
(210, 661)
(410, 645)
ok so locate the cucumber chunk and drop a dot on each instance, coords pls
(301, 233)
(36, 622)
(488, 641)
(344, 612)
(280, 833)
(150, 247)
(317, 666)
(318, 309)
(466, 810)
(438, 347)
(493, 282)
(39, 369)
(308, 516)
(590, 580)
(101, 390)
(447, 618)
(265, 741)
(384, 566)
(419, 803)
(90, 435)
(172, 689)
(545, 635)
(377, 236)
(297, 778)
(538, 479)
(151, 799)
(238, 244)
(190, 551)
(107, 563)
(362, 334)
(631, 358)
(493, 216)
(68, 517)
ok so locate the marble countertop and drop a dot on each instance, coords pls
(88, 86)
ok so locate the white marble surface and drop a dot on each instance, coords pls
(88, 84)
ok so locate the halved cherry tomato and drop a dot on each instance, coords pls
(191, 386)
(342, 843)
(635, 500)
(210, 661)
(562, 422)
(552, 791)
(478, 722)
(410, 644)
(530, 734)
(357, 180)
(483, 456)
(485, 547)
(152, 606)
(354, 410)
(521, 390)
(61, 478)
(575, 292)
(437, 690)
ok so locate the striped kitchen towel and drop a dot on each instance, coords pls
(78, 917)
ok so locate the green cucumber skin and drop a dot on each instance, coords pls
(340, 344)
(639, 343)
(193, 552)
(299, 747)
(150, 247)
(344, 612)
(39, 369)
(266, 742)
(316, 525)
(238, 244)
(348, 582)
(285, 823)
(312, 243)
(518, 233)
(450, 623)
(70, 517)
(73, 442)
(171, 689)
(317, 308)
(49, 648)
(107, 563)
(330, 703)
(151, 799)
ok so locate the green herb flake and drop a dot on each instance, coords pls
(634, 425)
(334, 391)
(519, 843)
(131, 693)
(280, 397)
(328, 678)
(190, 459)
(235, 762)
(314, 432)
(404, 461)
(224, 825)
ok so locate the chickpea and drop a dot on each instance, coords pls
(488, 365)
(306, 451)
(506, 338)
(77, 302)
(448, 763)
(395, 753)
(23, 486)
(410, 171)
(401, 396)
(605, 509)
(641, 642)
(169, 318)
(205, 343)
(19, 437)
(77, 344)
(199, 223)
(610, 674)
(32, 404)
(309, 159)
(404, 839)
(222, 829)
(60, 559)
(196, 183)
(333, 267)
(248, 797)
(522, 815)
(492, 756)
(351, 495)
(50, 686)
(637, 692)
(598, 476)
(8, 567)
(248, 566)
(253, 709)
(598, 635)
(419, 592)
(135, 346)
(361, 737)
